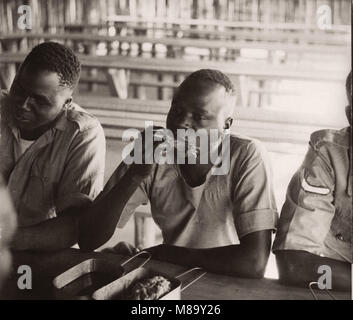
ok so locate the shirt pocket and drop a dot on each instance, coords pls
(37, 203)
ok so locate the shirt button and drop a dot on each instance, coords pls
(339, 237)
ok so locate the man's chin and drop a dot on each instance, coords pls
(23, 124)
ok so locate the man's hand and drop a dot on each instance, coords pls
(123, 248)
(144, 169)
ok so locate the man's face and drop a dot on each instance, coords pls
(36, 98)
(7, 228)
(200, 107)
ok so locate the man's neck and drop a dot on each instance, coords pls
(34, 134)
(195, 174)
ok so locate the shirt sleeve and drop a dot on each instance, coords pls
(138, 198)
(83, 175)
(254, 206)
(308, 210)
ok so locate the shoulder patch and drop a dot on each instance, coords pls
(338, 137)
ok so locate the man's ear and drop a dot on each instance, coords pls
(68, 102)
(228, 123)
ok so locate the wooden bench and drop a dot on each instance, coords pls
(216, 23)
(119, 71)
(174, 45)
(216, 29)
(310, 37)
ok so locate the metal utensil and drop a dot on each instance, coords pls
(118, 289)
(80, 281)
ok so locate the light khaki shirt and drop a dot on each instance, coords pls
(317, 214)
(63, 168)
(219, 213)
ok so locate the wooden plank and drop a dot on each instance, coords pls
(228, 24)
(320, 37)
(176, 66)
(118, 82)
(92, 40)
(9, 71)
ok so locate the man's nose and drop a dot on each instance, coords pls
(186, 121)
(25, 105)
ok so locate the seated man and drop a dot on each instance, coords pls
(220, 222)
(315, 225)
(51, 151)
(7, 228)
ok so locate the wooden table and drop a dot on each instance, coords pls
(211, 286)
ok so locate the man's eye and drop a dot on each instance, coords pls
(199, 117)
(40, 101)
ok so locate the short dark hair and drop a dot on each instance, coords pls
(349, 86)
(55, 57)
(210, 75)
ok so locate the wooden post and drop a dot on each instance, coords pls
(165, 93)
(243, 91)
(140, 90)
(92, 72)
(261, 96)
(145, 235)
(118, 81)
(10, 69)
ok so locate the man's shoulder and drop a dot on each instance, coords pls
(245, 144)
(330, 138)
(82, 118)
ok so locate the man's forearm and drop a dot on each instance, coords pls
(300, 268)
(233, 260)
(51, 235)
(98, 222)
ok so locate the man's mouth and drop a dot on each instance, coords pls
(179, 142)
(22, 117)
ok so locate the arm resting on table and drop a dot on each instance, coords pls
(50, 235)
(248, 259)
(300, 268)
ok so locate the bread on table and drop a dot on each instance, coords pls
(150, 288)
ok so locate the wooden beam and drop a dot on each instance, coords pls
(91, 40)
(118, 82)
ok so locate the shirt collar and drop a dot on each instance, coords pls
(60, 124)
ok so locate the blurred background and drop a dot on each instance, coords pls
(288, 58)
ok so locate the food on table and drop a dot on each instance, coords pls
(150, 288)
